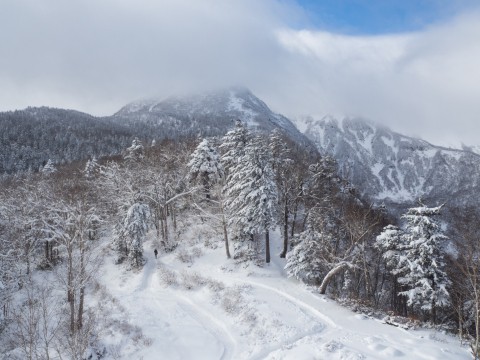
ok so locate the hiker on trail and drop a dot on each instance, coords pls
(155, 252)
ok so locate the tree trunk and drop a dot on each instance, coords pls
(82, 287)
(285, 229)
(477, 325)
(80, 308)
(162, 228)
(165, 225)
(71, 290)
(225, 235)
(326, 280)
(294, 219)
(174, 216)
(366, 274)
(157, 221)
(267, 246)
(72, 313)
(27, 255)
(434, 310)
(46, 250)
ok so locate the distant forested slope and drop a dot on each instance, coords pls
(28, 138)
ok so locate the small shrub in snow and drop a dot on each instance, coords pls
(184, 256)
(333, 346)
(125, 327)
(192, 280)
(229, 304)
(187, 256)
(137, 336)
(147, 341)
(249, 316)
(215, 286)
(197, 252)
(167, 276)
(115, 351)
(210, 243)
(232, 300)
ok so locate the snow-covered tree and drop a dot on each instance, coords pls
(286, 176)
(464, 271)
(70, 225)
(135, 227)
(49, 168)
(425, 275)
(304, 260)
(136, 151)
(391, 243)
(233, 146)
(251, 193)
(91, 167)
(205, 167)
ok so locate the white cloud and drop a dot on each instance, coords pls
(93, 53)
(97, 55)
(425, 83)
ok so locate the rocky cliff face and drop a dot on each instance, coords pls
(392, 168)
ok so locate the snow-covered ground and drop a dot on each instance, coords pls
(208, 307)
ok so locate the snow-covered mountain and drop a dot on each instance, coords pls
(33, 136)
(207, 114)
(390, 167)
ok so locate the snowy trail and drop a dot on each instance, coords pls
(179, 329)
(286, 294)
(147, 274)
(213, 325)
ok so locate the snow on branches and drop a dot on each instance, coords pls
(205, 167)
(415, 256)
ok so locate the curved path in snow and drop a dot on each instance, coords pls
(179, 328)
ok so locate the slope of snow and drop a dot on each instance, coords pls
(211, 308)
(238, 104)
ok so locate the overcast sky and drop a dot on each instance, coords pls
(413, 68)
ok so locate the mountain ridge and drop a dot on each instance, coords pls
(32, 136)
(207, 114)
(387, 166)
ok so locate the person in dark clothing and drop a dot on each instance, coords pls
(155, 252)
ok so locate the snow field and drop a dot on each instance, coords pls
(196, 304)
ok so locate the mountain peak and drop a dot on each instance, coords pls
(209, 113)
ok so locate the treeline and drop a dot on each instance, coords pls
(29, 138)
(246, 185)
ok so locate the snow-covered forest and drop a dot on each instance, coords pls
(243, 224)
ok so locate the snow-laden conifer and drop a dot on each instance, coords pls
(251, 193)
(135, 227)
(392, 245)
(91, 167)
(425, 278)
(233, 146)
(304, 260)
(205, 167)
(49, 168)
(285, 178)
(136, 151)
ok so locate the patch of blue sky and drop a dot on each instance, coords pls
(376, 17)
